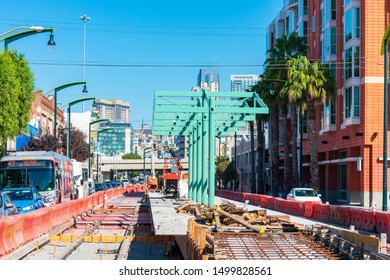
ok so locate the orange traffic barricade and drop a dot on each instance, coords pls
(368, 220)
(356, 218)
(382, 222)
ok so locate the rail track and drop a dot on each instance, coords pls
(104, 234)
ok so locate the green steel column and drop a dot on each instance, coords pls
(204, 152)
(211, 151)
(194, 165)
(190, 171)
(199, 163)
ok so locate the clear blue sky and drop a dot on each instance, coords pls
(126, 39)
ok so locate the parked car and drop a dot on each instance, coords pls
(125, 182)
(116, 184)
(304, 194)
(7, 207)
(100, 187)
(26, 199)
(91, 186)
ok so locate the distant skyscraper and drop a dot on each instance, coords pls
(208, 78)
(243, 82)
(115, 110)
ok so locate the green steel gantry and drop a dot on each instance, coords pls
(202, 116)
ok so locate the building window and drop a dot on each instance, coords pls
(328, 113)
(333, 40)
(348, 64)
(305, 9)
(356, 22)
(356, 61)
(333, 9)
(352, 24)
(352, 102)
(313, 24)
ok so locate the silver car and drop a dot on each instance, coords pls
(7, 207)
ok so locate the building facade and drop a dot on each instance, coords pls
(243, 82)
(115, 110)
(347, 35)
(41, 119)
(119, 140)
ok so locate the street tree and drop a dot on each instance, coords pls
(131, 156)
(286, 47)
(16, 91)
(46, 142)
(314, 82)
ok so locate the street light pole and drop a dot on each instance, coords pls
(32, 31)
(56, 90)
(68, 153)
(84, 18)
(89, 142)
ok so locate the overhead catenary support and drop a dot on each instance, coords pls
(211, 151)
(179, 113)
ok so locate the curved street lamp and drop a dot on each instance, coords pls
(70, 104)
(57, 89)
(89, 142)
(32, 30)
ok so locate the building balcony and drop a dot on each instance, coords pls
(292, 5)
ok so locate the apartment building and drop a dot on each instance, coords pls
(347, 35)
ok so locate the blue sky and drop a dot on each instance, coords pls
(126, 39)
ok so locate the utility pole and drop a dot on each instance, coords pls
(84, 18)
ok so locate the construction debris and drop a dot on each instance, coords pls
(228, 215)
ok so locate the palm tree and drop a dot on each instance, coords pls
(262, 88)
(285, 47)
(313, 82)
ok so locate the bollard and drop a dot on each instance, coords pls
(104, 200)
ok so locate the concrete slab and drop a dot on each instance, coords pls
(165, 219)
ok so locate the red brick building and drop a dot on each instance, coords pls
(41, 118)
(347, 35)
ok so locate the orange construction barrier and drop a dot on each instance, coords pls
(279, 204)
(262, 200)
(8, 234)
(368, 220)
(270, 202)
(321, 212)
(334, 214)
(296, 208)
(344, 215)
(356, 218)
(3, 226)
(382, 222)
(289, 206)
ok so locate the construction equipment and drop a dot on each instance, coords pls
(171, 179)
(152, 182)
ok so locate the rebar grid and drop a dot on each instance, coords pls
(276, 246)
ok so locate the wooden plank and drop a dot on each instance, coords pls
(240, 220)
(217, 220)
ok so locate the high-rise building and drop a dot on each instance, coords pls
(243, 82)
(119, 140)
(347, 35)
(208, 78)
(115, 110)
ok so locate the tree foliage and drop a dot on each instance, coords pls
(131, 156)
(16, 91)
(45, 142)
(224, 169)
